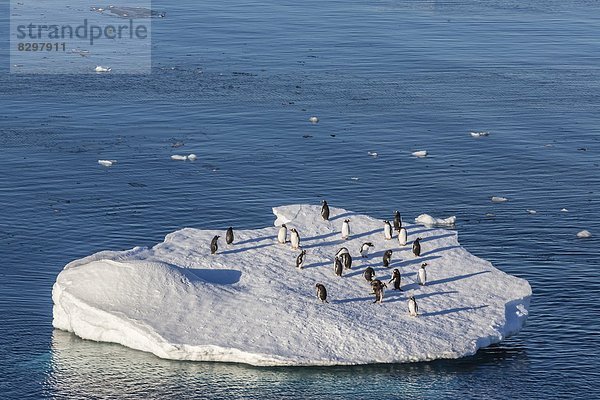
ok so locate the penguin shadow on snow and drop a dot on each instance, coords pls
(342, 215)
(455, 278)
(340, 241)
(239, 250)
(416, 260)
(425, 295)
(354, 300)
(255, 240)
(216, 276)
(411, 232)
(324, 236)
(430, 238)
(316, 265)
(452, 310)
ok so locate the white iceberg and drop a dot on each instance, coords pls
(584, 234)
(420, 153)
(100, 68)
(313, 119)
(107, 163)
(499, 199)
(249, 303)
(428, 220)
(479, 134)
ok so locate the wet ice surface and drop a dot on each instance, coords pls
(129, 12)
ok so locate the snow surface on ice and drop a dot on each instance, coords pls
(249, 303)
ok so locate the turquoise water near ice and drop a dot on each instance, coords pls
(236, 85)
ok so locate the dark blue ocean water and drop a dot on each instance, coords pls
(236, 84)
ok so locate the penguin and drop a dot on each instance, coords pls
(346, 259)
(345, 229)
(300, 259)
(422, 275)
(282, 234)
(387, 230)
(413, 308)
(378, 286)
(402, 236)
(364, 249)
(397, 220)
(387, 257)
(343, 250)
(417, 247)
(337, 267)
(214, 245)
(229, 235)
(321, 293)
(325, 211)
(369, 274)
(294, 239)
(396, 278)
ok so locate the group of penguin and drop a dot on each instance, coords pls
(343, 259)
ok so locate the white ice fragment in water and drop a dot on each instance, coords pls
(100, 68)
(192, 157)
(313, 119)
(107, 163)
(355, 178)
(426, 219)
(499, 199)
(564, 210)
(479, 134)
(178, 157)
(532, 211)
(420, 153)
(584, 234)
(372, 153)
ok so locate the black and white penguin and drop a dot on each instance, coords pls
(214, 245)
(402, 236)
(343, 250)
(321, 293)
(378, 286)
(325, 211)
(282, 234)
(422, 275)
(346, 259)
(300, 259)
(413, 308)
(345, 229)
(387, 257)
(294, 239)
(396, 278)
(364, 249)
(397, 220)
(417, 247)
(387, 230)
(369, 274)
(229, 235)
(337, 266)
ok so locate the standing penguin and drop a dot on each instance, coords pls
(214, 245)
(387, 257)
(387, 230)
(325, 211)
(282, 234)
(402, 237)
(364, 249)
(369, 274)
(378, 286)
(321, 293)
(229, 235)
(413, 308)
(346, 259)
(300, 259)
(396, 278)
(417, 247)
(397, 220)
(345, 229)
(343, 250)
(422, 275)
(337, 267)
(295, 238)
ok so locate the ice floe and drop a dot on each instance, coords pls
(420, 153)
(107, 163)
(249, 303)
(584, 234)
(499, 199)
(428, 220)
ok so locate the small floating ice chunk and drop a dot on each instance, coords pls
(100, 68)
(313, 119)
(420, 153)
(532, 211)
(426, 219)
(584, 234)
(107, 163)
(192, 157)
(499, 199)
(178, 157)
(355, 178)
(372, 153)
(564, 210)
(479, 134)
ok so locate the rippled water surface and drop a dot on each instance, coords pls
(236, 84)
